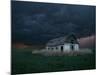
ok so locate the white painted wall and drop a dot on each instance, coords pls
(59, 48)
(76, 47)
(66, 47)
(47, 48)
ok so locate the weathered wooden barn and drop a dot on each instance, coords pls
(63, 44)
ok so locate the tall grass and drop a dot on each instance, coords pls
(23, 61)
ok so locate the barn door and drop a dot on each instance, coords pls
(72, 47)
(72, 44)
(62, 48)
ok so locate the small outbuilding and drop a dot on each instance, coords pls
(63, 44)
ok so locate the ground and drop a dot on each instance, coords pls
(23, 61)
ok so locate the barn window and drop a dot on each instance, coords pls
(72, 41)
(56, 47)
(52, 48)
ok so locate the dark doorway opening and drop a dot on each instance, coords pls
(72, 47)
(62, 48)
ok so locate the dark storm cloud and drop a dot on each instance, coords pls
(39, 22)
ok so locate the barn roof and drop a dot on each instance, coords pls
(62, 40)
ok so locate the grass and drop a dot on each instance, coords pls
(23, 61)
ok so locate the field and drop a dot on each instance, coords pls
(23, 61)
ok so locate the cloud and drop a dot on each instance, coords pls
(46, 21)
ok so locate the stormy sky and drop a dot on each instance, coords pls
(34, 22)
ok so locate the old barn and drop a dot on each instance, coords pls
(63, 44)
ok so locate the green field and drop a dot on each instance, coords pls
(23, 61)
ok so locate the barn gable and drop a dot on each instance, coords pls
(71, 39)
(62, 40)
